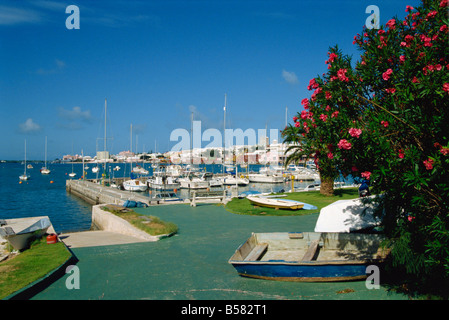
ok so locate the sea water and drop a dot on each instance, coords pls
(45, 195)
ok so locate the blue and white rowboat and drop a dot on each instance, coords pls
(308, 256)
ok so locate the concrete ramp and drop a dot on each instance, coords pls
(96, 238)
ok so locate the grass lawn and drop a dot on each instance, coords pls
(243, 206)
(30, 265)
(150, 224)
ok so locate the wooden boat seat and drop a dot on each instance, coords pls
(257, 252)
(310, 254)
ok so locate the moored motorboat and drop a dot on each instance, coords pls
(308, 256)
(134, 185)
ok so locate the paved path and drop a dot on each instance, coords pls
(96, 238)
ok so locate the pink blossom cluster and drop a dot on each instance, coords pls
(428, 163)
(344, 144)
(355, 132)
(386, 75)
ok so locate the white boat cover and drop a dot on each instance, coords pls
(347, 216)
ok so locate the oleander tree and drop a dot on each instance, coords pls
(392, 128)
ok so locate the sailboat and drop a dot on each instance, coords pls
(134, 184)
(25, 176)
(72, 174)
(44, 169)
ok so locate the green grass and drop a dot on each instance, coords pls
(30, 265)
(243, 206)
(150, 224)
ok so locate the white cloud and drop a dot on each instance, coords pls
(75, 114)
(290, 77)
(14, 16)
(29, 126)
(59, 65)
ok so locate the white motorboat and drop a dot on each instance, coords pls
(163, 183)
(138, 169)
(167, 197)
(305, 174)
(265, 178)
(232, 181)
(193, 183)
(135, 185)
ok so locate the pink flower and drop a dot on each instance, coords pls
(341, 74)
(332, 57)
(386, 75)
(323, 117)
(444, 3)
(391, 23)
(408, 8)
(330, 155)
(401, 154)
(355, 132)
(432, 14)
(384, 123)
(354, 169)
(305, 103)
(297, 124)
(334, 114)
(444, 151)
(446, 87)
(312, 84)
(304, 114)
(366, 175)
(402, 58)
(415, 80)
(443, 28)
(344, 144)
(295, 119)
(428, 164)
(390, 90)
(328, 95)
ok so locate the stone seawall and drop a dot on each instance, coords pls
(109, 222)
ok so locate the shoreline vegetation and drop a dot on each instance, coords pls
(31, 265)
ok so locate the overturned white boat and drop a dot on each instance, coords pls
(348, 216)
(20, 231)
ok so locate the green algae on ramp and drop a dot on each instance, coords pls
(193, 264)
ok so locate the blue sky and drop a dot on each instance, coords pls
(157, 61)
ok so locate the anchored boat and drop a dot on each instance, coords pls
(308, 256)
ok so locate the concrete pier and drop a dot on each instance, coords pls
(95, 193)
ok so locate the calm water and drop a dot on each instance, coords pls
(45, 195)
(42, 195)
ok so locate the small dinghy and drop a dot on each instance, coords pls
(308, 256)
(275, 203)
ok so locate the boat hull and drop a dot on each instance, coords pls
(303, 273)
(275, 203)
(308, 256)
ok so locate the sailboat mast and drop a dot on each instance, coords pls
(105, 109)
(224, 134)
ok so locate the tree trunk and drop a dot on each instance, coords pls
(327, 185)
